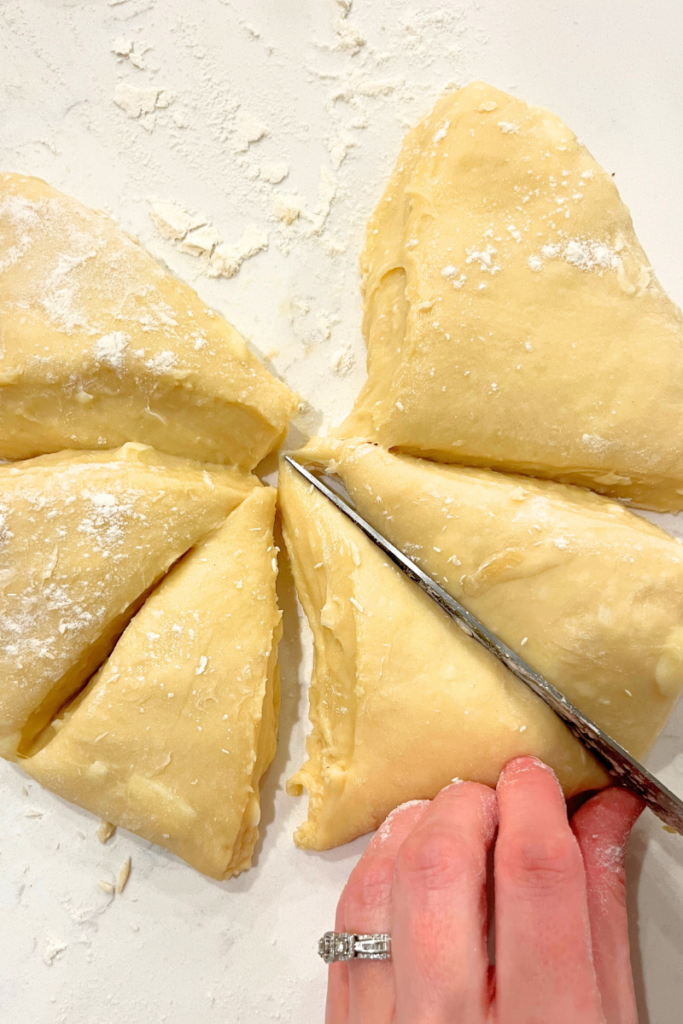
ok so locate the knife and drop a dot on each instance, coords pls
(617, 761)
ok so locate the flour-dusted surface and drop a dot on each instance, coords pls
(273, 128)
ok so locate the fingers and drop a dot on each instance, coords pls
(439, 916)
(544, 968)
(337, 1007)
(364, 991)
(602, 827)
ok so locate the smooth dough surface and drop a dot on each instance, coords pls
(401, 701)
(172, 736)
(83, 536)
(99, 345)
(588, 592)
(511, 316)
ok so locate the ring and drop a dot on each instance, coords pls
(336, 946)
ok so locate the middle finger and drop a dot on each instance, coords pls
(439, 910)
(544, 967)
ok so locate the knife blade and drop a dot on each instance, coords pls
(618, 762)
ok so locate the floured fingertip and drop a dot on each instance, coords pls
(387, 829)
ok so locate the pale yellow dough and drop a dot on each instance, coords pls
(99, 345)
(511, 315)
(83, 537)
(172, 736)
(588, 592)
(401, 700)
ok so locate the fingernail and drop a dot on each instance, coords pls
(516, 767)
(385, 829)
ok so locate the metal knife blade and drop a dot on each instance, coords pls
(618, 762)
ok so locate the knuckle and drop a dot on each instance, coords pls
(542, 862)
(437, 860)
(368, 889)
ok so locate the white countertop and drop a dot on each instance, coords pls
(320, 85)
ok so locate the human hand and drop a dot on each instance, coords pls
(562, 951)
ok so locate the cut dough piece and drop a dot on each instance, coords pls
(100, 345)
(172, 736)
(401, 700)
(511, 315)
(588, 592)
(83, 536)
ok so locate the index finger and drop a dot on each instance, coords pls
(544, 966)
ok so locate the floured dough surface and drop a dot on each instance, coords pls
(588, 592)
(401, 701)
(511, 315)
(172, 736)
(100, 345)
(83, 536)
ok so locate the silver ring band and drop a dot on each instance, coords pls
(335, 946)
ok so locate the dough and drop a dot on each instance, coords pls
(83, 537)
(401, 701)
(511, 315)
(99, 345)
(588, 592)
(173, 734)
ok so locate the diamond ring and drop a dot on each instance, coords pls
(342, 946)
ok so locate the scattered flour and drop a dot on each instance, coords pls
(227, 259)
(327, 191)
(111, 349)
(162, 362)
(586, 255)
(483, 258)
(582, 253)
(53, 951)
(25, 216)
(347, 37)
(340, 147)
(595, 442)
(274, 173)
(288, 208)
(441, 133)
(172, 220)
(200, 241)
(137, 100)
(249, 131)
(196, 237)
(126, 49)
(342, 361)
(5, 532)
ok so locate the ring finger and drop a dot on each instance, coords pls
(364, 990)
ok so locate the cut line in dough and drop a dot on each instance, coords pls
(588, 592)
(401, 701)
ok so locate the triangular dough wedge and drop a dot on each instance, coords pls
(100, 345)
(588, 592)
(401, 700)
(172, 736)
(83, 536)
(511, 315)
